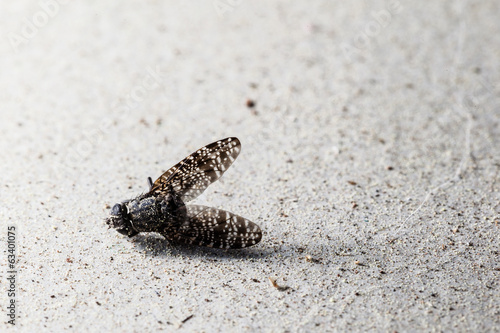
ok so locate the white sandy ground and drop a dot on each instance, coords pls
(371, 161)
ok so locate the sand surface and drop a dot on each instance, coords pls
(370, 160)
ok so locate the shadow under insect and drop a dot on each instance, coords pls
(154, 244)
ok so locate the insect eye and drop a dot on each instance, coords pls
(116, 210)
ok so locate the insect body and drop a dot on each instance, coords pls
(162, 209)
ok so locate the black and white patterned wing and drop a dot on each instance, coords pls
(212, 227)
(191, 176)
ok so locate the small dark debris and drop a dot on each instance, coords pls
(313, 260)
(352, 182)
(187, 318)
(255, 280)
(277, 286)
(390, 168)
(96, 302)
(250, 103)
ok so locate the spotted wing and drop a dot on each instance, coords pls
(212, 227)
(191, 176)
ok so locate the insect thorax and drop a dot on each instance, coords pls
(155, 213)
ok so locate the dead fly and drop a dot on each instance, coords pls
(162, 209)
